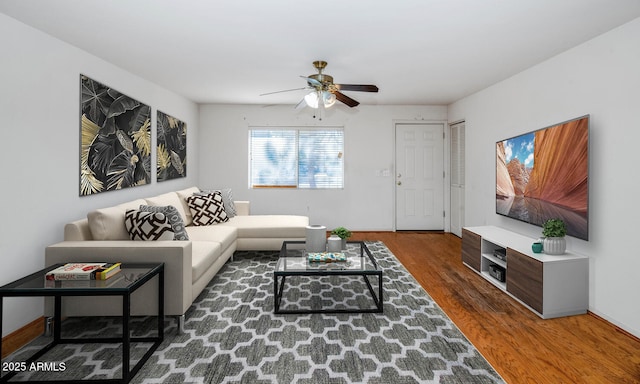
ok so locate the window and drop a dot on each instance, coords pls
(305, 158)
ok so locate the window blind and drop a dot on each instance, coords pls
(297, 158)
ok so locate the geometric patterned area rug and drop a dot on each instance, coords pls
(233, 336)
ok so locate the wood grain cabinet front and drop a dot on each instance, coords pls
(525, 279)
(471, 249)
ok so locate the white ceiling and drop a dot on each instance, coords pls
(416, 51)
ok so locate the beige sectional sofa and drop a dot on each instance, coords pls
(189, 264)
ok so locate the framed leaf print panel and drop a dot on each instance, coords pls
(115, 144)
(172, 147)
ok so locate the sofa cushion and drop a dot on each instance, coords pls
(170, 198)
(223, 235)
(203, 255)
(108, 223)
(266, 226)
(174, 218)
(207, 209)
(227, 200)
(182, 195)
(147, 225)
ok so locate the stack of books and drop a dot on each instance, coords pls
(84, 271)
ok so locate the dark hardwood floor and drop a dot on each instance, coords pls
(522, 347)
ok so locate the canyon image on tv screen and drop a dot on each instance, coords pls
(544, 174)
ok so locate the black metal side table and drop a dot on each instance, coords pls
(128, 280)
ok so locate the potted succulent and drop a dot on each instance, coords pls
(342, 233)
(554, 231)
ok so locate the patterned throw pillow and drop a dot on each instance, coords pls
(227, 200)
(172, 214)
(147, 225)
(207, 209)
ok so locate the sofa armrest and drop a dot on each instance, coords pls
(242, 207)
(176, 256)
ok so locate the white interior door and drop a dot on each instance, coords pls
(419, 176)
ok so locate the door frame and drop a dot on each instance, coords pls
(446, 164)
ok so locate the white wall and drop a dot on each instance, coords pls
(367, 200)
(39, 117)
(600, 78)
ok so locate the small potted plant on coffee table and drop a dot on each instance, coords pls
(554, 232)
(342, 233)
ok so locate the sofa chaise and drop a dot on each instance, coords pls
(189, 264)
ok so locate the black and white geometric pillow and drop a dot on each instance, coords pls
(227, 200)
(207, 209)
(172, 214)
(147, 225)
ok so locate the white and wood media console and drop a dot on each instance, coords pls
(549, 285)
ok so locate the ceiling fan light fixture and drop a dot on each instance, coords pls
(328, 99)
(312, 99)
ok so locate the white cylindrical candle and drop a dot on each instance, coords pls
(316, 238)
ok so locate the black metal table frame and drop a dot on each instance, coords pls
(126, 339)
(279, 278)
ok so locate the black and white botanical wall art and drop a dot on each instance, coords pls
(115, 148)
(172, 147)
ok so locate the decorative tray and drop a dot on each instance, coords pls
(326, 257)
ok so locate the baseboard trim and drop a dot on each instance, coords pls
(618, 329)
(22, 336)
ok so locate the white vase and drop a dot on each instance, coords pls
(554, 245)
(316, 238)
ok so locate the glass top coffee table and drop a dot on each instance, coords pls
(327, 287)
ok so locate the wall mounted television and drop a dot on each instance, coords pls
(544, 174)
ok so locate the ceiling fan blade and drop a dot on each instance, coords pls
(286, 90)
(313, 82)
(345, 99)
(301, 104)
(357, 87)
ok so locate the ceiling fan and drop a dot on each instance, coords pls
(324, 92)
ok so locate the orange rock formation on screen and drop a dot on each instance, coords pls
(560, 172)
(504, 187)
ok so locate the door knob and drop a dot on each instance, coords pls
(399, 182)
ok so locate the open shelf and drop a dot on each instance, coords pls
(495, 260)
(494, 281)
